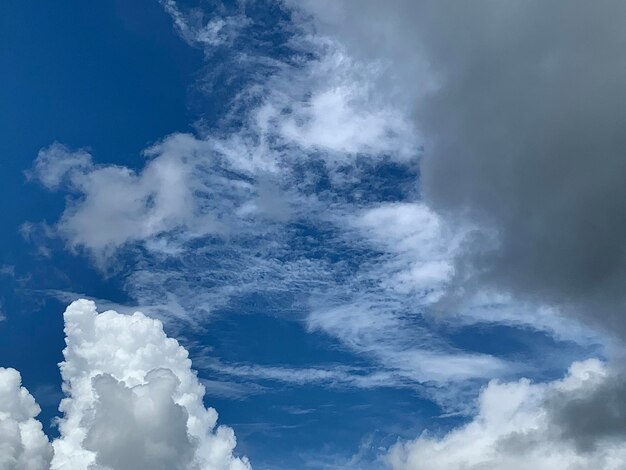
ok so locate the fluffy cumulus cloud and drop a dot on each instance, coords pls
(23, 445)
(519, 425)
(132, 401)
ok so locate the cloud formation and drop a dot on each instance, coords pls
(309, 146)
(114, 205)
(520, 108)
(193, 28)
(517, 427)
(23, 445)
(132, 401)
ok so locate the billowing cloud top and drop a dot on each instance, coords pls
(519, 426)
(132, 401)
(23, 444)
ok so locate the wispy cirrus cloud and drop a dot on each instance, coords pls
(196, 30)
(333, 375)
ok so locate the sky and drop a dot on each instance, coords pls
(269, 234)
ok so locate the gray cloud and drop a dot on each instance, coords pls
(521, 109)
(141, 426)
(520, 425)
(591, 415)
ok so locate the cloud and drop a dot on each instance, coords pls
(231, 390)
(515, 428)
(56, 164)
(297, 182)
(388, 334)
(329, 105)
(593, 413)
(23, 445)
(417, 251)
(420, 249)
(333, 376)
(192, 27)
(139, 426)
(518, 222)
(520, 115)
(132, 399)
(114, 206)
(232, 191)
(289, 199)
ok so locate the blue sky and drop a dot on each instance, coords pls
(251, 175)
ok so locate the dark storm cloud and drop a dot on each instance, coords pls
(590, 416)
(522, 107)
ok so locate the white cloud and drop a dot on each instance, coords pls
(159, 206)
(515, 429)
(420, 248)
(418, 256)
(56, 164)
(335, 376)
(133, 400)
(373, 33)
(231, 390)
(23, 445)
(330, 106)
(327, 109)
(482, 65)
(193, 28)
(384, 333)
(243, 186)
(190, 186)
